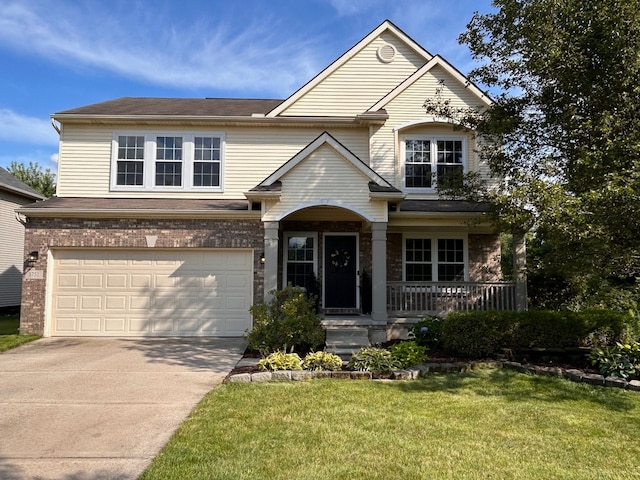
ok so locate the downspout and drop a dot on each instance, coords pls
(54, 125)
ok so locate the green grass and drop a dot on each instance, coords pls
(481, 425)
(9, 336)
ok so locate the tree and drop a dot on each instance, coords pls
(42, 181)
(563, 134)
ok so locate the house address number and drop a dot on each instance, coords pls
(34, 275)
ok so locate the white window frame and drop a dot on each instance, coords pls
(149, 161)
(433, 139)
(285, 256)
(434, 252)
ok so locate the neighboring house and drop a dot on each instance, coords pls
(13, 194)
(173, 216)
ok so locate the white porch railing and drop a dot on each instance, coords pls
(436, 298)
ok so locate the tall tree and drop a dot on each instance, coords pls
(41, 180)
(565, 131)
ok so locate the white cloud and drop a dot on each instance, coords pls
(22, 128)
(158, 48)
(353, 7)
(43, 158)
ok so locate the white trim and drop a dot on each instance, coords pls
(428, 120)
(149, 160)
(384, 27)
(285, 247)
(434, 251)
(324, 263)
(48, 298)
(324, 138)
(450, 69)
(325, 203)
(433, 139)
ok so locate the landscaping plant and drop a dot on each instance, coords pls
(428, 332)
(373, 359)
(322, 361)
(408, 354)
(280, 361)
(621, 360)
(288, 322)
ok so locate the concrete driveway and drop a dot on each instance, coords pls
(90, 409)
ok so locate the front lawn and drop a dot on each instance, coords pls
(484, 424)
(9, 336)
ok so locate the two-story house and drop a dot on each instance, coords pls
(173, 216)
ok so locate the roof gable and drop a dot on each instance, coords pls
(324, 139)
(436, 61)
(352, 70)
(11, 184)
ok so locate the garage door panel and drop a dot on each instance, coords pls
(90, 324)
(151, 292)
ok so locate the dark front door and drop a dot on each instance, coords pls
(340, 261)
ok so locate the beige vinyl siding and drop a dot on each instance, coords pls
(408, 107)
(251, 155)
(11, 250)
(360, 82)
(325, 176)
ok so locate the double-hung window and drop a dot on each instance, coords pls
(432, 160)
(300, 258)
(435, 259)
(167, 161)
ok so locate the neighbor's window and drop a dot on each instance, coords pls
(434, 259)
(429, 161)
(148, 160)
(300, 259)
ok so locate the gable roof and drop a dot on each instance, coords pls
(273, 181)
(435, 61)
(386, 26)
(11, 184)
(207, 107)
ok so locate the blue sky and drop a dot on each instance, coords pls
(62, 54)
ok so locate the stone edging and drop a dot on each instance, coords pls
(426, 369)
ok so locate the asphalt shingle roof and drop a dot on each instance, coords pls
(206, 107)
(10, 183)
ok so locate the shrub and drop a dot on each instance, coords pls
(428, 332)
(280, 361)
(373, 359)
(322, 361)
(621, 360)
(287, 322)
(477, 334)
(408, 354)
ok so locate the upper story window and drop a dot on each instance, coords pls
(428, 160)
(167, 161)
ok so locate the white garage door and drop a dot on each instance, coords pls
(151, 292)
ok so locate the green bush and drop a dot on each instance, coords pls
(428, 332)
(478, 334)
(621, 360)
(322, 361)
(408, 354)
(288, 322)
(280, 361)
(373, 359)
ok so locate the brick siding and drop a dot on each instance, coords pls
(43, 234)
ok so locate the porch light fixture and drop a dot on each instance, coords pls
(262, 259)
(32, 258)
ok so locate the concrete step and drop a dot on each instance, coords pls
(345, 341)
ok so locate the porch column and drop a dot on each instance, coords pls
(270, 258)
(520, 270)
(379, 272)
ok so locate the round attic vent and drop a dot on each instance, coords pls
(386, 53)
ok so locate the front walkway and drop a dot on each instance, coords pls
(91, 408)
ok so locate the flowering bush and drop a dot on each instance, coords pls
(428, 332)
